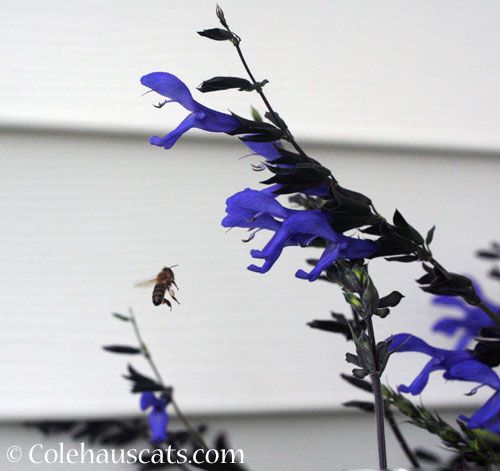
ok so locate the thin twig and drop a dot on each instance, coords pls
(145, 352)
(400, 438)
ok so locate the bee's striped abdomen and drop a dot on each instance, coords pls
(159, 293)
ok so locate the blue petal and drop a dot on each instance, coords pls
(170, 86)
(319, 191)
(473, 370)
(419, 383)
(270, 252)
(356, 248)
(158, 420)
(215, 121)
(314, 222)
(450, 301)
(257, 201)
(148, 399)
(239, 217)
(486, 413)
(448, 325)
(411, 343)
(172, 137)
(265, 149)
(328, 256)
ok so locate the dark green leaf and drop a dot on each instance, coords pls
(122, 349)
(370, 298)
(382, 313)
(362, 405)
(142, 383)
(216, 34)
(391, 300)
(358, 383)
(360, 373)
(403, 258)
(121, 317)
(224, 83)
(430, 235)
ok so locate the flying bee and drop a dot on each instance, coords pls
(162, 283)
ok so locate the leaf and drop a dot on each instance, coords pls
(360, 372)
(430, 235)
(382, 313)
(121, 317)
(351, 358)
(261, 137)
(362, 405)
(403, 258)
(256, 115)
(358, 383)
(217, 34)
(220, 15)
(383, 354)
(224, 83)
(275, 119)
(331, 326)
(391, 300)
(427, 456)
(370, 298)
(122, 349)
(142, 383)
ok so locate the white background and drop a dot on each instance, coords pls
(399, 99)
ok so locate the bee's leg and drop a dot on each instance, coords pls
(174, 298)
(175, 284)
(168, 303)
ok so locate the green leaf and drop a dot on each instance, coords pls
(430, 235)
(121, 317)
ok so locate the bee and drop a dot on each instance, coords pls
(162, 283)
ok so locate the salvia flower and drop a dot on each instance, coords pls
(441, 359)
(201, 117)
(260, 210)
(488, 415)
(457, 365)
(473, 320)
(158, 417)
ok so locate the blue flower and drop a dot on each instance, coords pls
(458, 365)
(158, 417)
(260, 210)
(487, 416)
(200, 117)
(442, 359)
(265, 149)
(473, 320)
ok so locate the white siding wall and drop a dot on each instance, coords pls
(400, 99)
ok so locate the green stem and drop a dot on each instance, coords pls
(147, 355)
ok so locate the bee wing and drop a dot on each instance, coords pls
(145, 284)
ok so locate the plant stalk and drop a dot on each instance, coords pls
(148, 357)
(379, 401)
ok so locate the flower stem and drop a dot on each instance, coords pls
(277, 119)
(379, 401)
(489, 312)
(147, 355)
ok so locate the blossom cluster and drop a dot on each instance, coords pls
(458, 363)
(260, 209)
